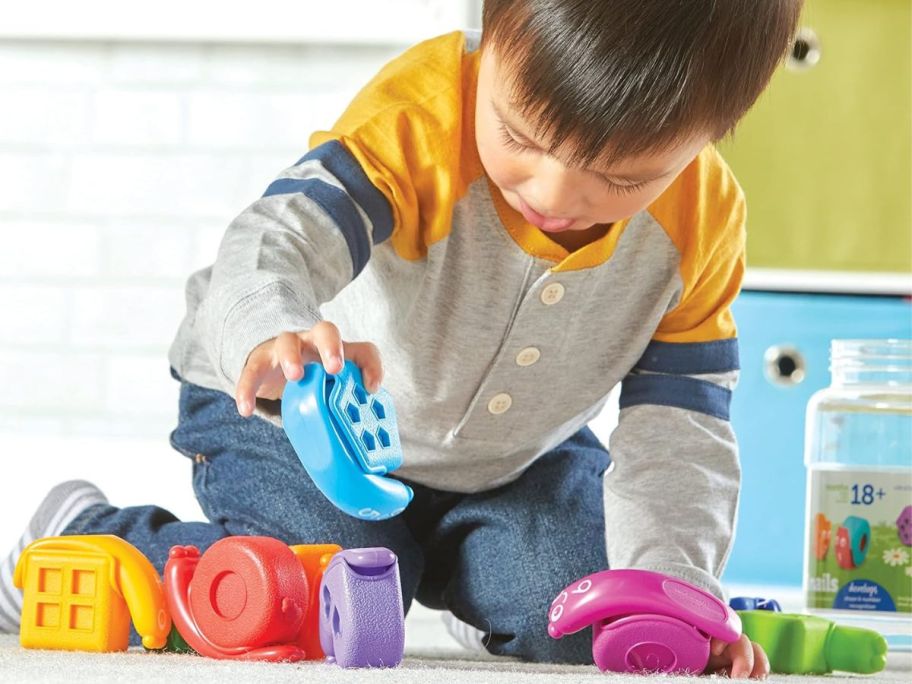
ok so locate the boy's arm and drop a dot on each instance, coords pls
(671, 498)
(672, 494)
(390, 168)
(295, 248)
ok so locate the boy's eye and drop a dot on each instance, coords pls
(621, 189)
(510, 141)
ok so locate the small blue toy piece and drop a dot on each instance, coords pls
(347, 440)
(752, 603)
(853, 539)
(362, 622)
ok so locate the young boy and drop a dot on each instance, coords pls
(517, 227)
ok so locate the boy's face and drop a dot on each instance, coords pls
(548, 193)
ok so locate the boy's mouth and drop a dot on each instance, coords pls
(546, 223)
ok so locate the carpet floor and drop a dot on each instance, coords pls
(431, 657)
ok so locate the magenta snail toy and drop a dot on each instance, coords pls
(643, 621)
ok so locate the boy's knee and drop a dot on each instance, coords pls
(519, 626)
(532, 643)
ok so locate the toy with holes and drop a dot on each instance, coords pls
(853, 539)
(643, 621)
(739, 603)
(904, 526)
(822, 530)
(347, 440)
(254, 598)
(807, 644)
(79, 593)
(361, 612)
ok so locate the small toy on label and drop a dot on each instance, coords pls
(80, 592)
(807, 644)
(904, 526)
(643, 621)
(750, 603)
(822, 531)
(347, 440)
(853, 539)
(362, 622)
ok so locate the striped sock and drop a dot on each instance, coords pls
(469, 637)
(58, 509)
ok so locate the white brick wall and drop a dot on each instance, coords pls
(121, 163)
(120, 166)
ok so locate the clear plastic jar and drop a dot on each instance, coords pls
(858, 451)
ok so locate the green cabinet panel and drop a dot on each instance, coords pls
(825, 155)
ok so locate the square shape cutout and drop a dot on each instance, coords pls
(82, 617)
(84, 582)
(50, 581)
(47, 615)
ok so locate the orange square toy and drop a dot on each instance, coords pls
(79, 593)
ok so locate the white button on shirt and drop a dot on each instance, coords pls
(500, 403)
(552, 294)
(528, 356)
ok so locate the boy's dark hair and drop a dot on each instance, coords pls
(633, 76)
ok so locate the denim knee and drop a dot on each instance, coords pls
(530, 641)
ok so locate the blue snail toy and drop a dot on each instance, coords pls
(347, 440)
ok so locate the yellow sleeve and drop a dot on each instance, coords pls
(411, 130)
(704, 213)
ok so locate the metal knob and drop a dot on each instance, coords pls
(805, 52)
(784, 365)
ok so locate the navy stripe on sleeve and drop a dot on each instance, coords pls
(338, 205)
(680, 392)
(340, 163)
(692, 358)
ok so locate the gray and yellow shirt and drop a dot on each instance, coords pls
(497, 343)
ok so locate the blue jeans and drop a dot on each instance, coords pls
(496, 558)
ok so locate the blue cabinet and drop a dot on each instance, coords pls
(784, 345)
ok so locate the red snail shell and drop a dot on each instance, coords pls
(248, 592)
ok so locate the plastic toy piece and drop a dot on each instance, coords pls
(904, 526)
(347, 440)
(643, 621)
(807, 644)
(822, 531)
(362, 623)
(246, 598)
(175, 643)
(852, 542)
(750, 603)
(314, 559)
(79, 593)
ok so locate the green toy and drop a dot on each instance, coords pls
(807, 644)
(175, 643)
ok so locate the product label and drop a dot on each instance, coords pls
(859, 540)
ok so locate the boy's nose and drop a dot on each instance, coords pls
(551, 191)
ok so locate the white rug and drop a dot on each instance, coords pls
(431, 657)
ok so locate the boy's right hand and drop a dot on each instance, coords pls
(282, 359)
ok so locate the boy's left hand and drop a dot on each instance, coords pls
(743, 658)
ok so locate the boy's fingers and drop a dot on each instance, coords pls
(288, 353)
(717, 646)
(761, 662)
(326, 340)
(249, 383)
(367, 357)
(736, 659)
(742, 658)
